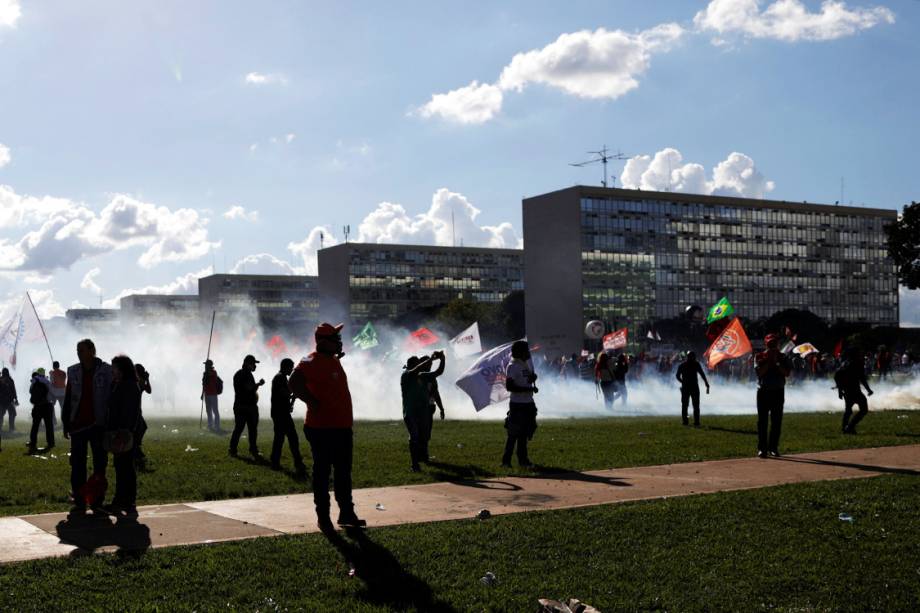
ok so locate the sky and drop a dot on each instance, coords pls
(144, 144)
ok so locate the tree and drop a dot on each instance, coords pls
(904, 245)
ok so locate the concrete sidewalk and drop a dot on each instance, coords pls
(55, 534)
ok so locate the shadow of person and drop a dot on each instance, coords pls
(90, 532)
(386, 582)
(567, 474)
(865, 467)
(731, 430)
(447, 472)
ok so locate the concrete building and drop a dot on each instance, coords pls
(160, 308)
(93, 320)
(275, 302)
(368, 281)
(629, 257)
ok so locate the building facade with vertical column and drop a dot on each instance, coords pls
(630, 257)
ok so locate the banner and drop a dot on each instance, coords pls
(615, 340)
(277, 347)
(421, 338)
(838, 349)
(733, 343)
(652, 335)
(789, 346)
(22, 326)
(805, 349)
(366, 338)
(720, 310)
(467, 343)
(484, 381)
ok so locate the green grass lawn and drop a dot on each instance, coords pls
(462, 449)
(780, 548)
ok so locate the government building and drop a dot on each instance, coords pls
(630, 257)
(360, 282)
(287, 303)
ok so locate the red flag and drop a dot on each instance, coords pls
(732, 343)
(277, 346)
(421, 338)
(716, 328)
(616, 339)
(838, 349)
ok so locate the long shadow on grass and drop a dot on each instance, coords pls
(94, 531)
(386, 582)
(732, 430)
(445, 471)
(866, 467)
(567, 474)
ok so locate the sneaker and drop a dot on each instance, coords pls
(506, 464)
(774, 454)
(525, 464)
(324, 524)
(232, 453)
(762, 455)
(113, 508)
(350, 520)
(686, 423)
(416, 468)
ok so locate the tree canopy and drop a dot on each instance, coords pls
(904, 245)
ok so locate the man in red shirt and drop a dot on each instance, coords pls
(319, 380)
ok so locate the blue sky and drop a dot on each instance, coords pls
(147, 122)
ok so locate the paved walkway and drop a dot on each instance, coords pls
(54, 534)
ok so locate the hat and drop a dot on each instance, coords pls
(326, 329)
(770, 338)
(209, 362)
(250, 358)
(411, 363)
(41, 371)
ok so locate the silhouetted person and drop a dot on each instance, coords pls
(619, 374)
(143, 384)
(283, 424)
(415, 385)
(86, 406)
(42, 410)
(434, 404)
(320, 381)
(124, 416)
(246, 406)
(687, 374)
(212, 386)
(883, 362)
(569, 370)
(521, 422)
(8, 400)
(605, 376)
(772, 368)
(58, 388)
(850, 380)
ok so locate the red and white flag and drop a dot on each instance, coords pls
(467, 343)
(616, 339)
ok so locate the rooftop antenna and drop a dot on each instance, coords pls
(320, 240)
(841, 189)
(453, 231)
(603, 156)
(346, 230)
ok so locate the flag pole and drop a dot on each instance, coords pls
(41, 326)
(210, 336)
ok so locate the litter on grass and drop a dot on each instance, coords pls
(488, 579)
(484, 514)
(845, 517)
(175, 431)
(459, 445)
(572, 605)
(190, 448)
(351, 571)
(380, 507)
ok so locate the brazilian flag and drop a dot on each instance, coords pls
(366, 338)
(720, 310)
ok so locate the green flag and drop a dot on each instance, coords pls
(719, 310)
(366, 338)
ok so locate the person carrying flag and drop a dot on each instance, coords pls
(849, 378)
(687, 374)
(772, 368)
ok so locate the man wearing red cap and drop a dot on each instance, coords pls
(319, 380)
(772, 369)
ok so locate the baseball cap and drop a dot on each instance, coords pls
(209, 362)
(771, 338)
(41, 371)
(250, 358)
(326, 329)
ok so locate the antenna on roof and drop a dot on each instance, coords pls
(346, 230)
(603, 156)
(320, 240)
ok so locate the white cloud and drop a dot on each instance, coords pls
(89, 281)
(347, 156)
(319, 237)
(788, 20)
(16, 210)
(238, 212)
(262, 78)
(186, 284)
(910, 307)
(10, 12)
(289, 137)
(604, 64)
(4, 155)
(666, 171)
(263, 264)
(475, 103)
(45, 303)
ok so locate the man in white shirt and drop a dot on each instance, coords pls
(521, 421)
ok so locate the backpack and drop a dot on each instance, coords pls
(220, 386)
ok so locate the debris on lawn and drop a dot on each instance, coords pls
(488, 579)
(573, 605)
(40, 457)
(190, 448)
(351, 570)
(459, 445)
(483, 514)
(379, 506)
(902, 416)
(175, 430)
(845, 517)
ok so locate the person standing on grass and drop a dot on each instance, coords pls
(58, 386)
(283, 424)
(211, 387)
(143, 384)
(619, 375)
(124, 415)
(320, 381)
(42, 409)
(521, 422)
(246, 406)
(8, 399)
(605, 377)
(416, 397)
(849, 378)
(86, 406)
(772, 368)
(687, 374)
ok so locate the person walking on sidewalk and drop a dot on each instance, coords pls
(416, 396)
(320, 381)
(86, 406)
(8, 399)
(42, 410)
(772, 368)
(283, 424)
(850, 379)
(212, 386)
(124, 416)
(687, 374)
(521, 422)
(246, 406)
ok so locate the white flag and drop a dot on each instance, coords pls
(484, 381)
(467, 343)
(22, 326)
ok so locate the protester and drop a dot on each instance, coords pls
(521, 421)
(417, 414)
(772, 368)
(58, 387)
(605, 376)
(320, 381)
(687, 374)
(8, 399)
(86, 402)
(619, 374)
(212, 386)
(124, 416)
(246, 406)
(434, 403)
(281, 408)
(143, 384)
(849, 378)
(42, 410)
(883, 362)
(569, 370)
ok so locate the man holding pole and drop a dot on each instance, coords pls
(211, 388)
